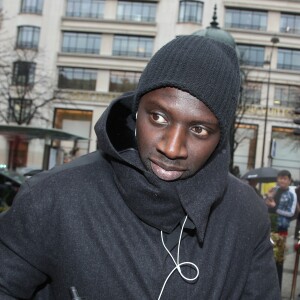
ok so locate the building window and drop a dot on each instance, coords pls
(190, 11)
(290, 23)
(288, 59)
(286, 153)
(245, 152)
(136, 11)
(123, 81)
(288, 96)
(251, 94)
(78, 122)
(132, 46)
(23, 73)
(32, 6)
(77, 42)
(77, 78)
(19, 110)
(251, 55)
(85, 8)
(28, 37)
(246, 19)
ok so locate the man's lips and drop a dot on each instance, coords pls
(166, 173)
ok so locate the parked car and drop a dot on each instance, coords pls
(10, 183)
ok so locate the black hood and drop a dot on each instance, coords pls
(159, 203)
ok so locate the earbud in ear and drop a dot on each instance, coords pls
(136, 115)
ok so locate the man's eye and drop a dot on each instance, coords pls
(200, 131)
(158, 118)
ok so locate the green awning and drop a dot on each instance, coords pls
(28, 133)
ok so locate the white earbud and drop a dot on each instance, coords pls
(136, 115)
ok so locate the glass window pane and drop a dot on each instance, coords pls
(136, 11)
(77, 78)
(28, 37)
(132, 46)
(251, 55)
(77, 42)
(288, 59)
(121, 81)
(246, 19)
(23, 73)
(290, 23)
(251, 94)
(81, 42)
(19, 110)
(32, 6)
(85, 8)
(190, 11)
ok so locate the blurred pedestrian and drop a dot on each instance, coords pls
(297, 227)
(282, 202)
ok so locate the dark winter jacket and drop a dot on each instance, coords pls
(286, 202)
(96, 223)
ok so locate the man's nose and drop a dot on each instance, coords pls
(173, 143)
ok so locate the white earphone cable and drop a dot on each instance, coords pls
(178, 265)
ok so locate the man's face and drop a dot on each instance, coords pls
(283, 182)
(176, 133)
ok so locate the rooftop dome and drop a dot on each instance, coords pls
(216, 33)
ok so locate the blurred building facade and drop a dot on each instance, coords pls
(90, 51)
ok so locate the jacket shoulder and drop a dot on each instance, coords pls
(88, 161)
(245, 196)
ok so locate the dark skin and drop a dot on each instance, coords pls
(176, 133)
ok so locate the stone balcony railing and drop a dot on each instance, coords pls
(104, 98)
(92, 97)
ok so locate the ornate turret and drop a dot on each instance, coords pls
(214, 32)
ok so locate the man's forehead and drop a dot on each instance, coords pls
(172, 100)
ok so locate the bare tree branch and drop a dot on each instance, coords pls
(25, 88)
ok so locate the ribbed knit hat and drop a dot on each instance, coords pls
(205, 68)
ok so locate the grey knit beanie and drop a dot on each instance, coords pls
(205, 68)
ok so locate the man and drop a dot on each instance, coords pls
(282, 203)
(154, 214)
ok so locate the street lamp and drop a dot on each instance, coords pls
(274, 40)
